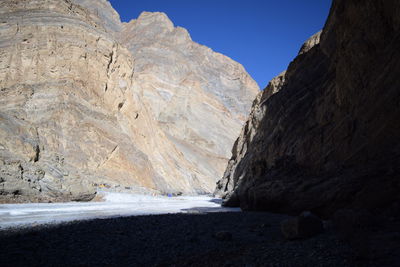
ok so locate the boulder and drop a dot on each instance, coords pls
(223, 236)
(304, 226)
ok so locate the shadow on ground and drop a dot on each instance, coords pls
(167, 240)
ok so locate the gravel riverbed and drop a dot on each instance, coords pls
(194, 239)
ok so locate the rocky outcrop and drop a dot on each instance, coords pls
(310, 43)
(240, 158)
(329, 138)
(77, 109)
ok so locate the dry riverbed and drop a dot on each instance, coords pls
(127, 230)
(203, 239)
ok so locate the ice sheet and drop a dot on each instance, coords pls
(115, 205)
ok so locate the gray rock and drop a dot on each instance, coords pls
(200, 98)
(304, 226)
(223, 236)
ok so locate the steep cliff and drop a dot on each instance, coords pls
(329, 138)
(230, 180)
(75, 111)
(199, 98)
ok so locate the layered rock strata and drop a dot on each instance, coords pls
(78, 111)
(199, 98)
(329, 138)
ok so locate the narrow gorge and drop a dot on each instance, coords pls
(160, 151)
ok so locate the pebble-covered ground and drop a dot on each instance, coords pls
(213, 239)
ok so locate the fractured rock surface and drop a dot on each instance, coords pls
(79, 108)
(197, 96)
(329, 138)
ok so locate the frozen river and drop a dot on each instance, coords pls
(115, 205)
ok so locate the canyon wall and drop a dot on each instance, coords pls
(324, 135)
(81, 107)
(199, 98)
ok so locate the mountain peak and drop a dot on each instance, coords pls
(161, 18)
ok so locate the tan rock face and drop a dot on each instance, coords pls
(198, 97)
(329, 138)
(78, 108)
(310, 43)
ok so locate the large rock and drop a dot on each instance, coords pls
(77, 108)
(304, 226)
(329, 138)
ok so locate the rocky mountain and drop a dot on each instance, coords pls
(324, 135)
(199, 98)
(87, 100)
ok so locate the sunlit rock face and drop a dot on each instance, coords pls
(328, 139)
(78, 108)
(199, 98)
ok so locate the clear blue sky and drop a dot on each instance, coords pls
(263, 35)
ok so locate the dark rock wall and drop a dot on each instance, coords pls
(329, 139)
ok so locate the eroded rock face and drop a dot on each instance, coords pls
(225, 186)
(329, 138)
(74, 112)
(197, 96)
